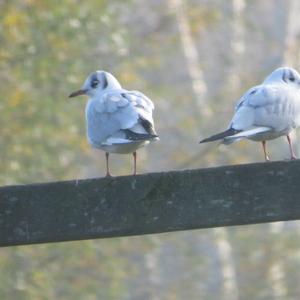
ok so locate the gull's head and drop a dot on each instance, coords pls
(96, 83)
(284, 75)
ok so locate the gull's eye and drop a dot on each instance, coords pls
(292, 79)
(94, 83)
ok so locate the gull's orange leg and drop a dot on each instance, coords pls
(293, 156)
(134, 162)
(107, 165)
(265, 151)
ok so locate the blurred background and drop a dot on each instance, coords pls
(194, 59)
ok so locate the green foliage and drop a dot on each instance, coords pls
(47, 48)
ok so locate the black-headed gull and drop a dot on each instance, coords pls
(266, 111)
(118, 120)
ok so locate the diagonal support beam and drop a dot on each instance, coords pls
(149, 203)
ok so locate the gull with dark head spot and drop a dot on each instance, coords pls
(266, 111)
(118, 120)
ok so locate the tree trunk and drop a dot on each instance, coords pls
(191, 57)
(224, 249)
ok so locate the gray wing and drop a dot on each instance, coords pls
(120, 116)
(272, 106)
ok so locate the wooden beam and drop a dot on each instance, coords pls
(149, 203)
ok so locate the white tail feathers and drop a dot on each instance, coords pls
(245, 134)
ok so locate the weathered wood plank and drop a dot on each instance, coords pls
(150, 203)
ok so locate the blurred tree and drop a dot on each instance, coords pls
(194, 59)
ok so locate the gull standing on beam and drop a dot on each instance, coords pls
(118, 120)
(266, 111)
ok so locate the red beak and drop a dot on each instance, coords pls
(78, 93)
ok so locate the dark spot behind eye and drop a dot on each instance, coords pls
(105, 83)
(291, 76)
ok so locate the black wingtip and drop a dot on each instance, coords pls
(153, 137)
(131, 135)
(203, 141)
(221, 135)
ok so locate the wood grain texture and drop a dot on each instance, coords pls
(149, 203)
